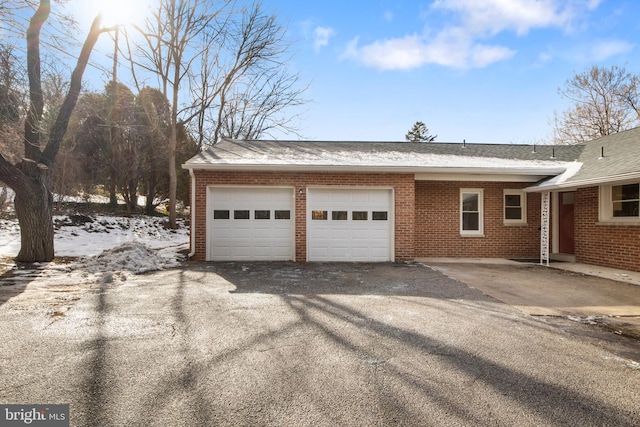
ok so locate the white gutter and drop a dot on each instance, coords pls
(631, 176)
(192, 233)
(489, 170)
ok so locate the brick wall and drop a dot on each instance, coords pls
(402, 183)
(615, 246)
(437, 223)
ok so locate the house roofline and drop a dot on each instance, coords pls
(584, 183)
(532, 171)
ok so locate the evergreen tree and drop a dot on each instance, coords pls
(420, 133)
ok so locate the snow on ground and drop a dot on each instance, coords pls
(106, 244)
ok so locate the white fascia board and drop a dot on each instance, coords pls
(537, 172)
(492, 177)
(572, 185)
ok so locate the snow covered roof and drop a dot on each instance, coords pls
(399, 157)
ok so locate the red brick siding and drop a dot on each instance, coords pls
(437, 223)
(616, 246)
(403, 185)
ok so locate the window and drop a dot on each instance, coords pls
(220, 214)
(319, 215)
(620, 203)
(282, 214)
(359, 215)
(339, 215)
(379, 215)
(471, 215)
(262, 214)
(241, 214)
(625, 200)
(515, 207)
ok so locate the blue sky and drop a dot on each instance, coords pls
(480, 70)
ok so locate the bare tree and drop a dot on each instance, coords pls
(605, 101)
(220, 66)
(30, 178)
(12, 102)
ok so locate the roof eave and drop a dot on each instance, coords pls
(572, 185)
(528, 171)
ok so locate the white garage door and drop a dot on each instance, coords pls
(250, 223)
(350, 225)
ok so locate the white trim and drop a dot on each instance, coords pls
(192, 228)
(523, 206)
(487, 177)
(480, 231)
(573, 185)
(538, 171)
(605, 206)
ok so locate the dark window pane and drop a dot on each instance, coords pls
(625, 209)
(512, 200)
(469, 202)
(471, 221)
(359, 215)
(319, 215)
(513, 213)
(262, 214)
(220, 214)
(625, 192)
(339, 215)
(241, 214)
(282, 214)
(379, 216)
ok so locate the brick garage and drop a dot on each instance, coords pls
(403, 185)
(431, 185)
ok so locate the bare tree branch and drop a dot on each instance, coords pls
(604, 101)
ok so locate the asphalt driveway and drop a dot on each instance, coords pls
(301, 344)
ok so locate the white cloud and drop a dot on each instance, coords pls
(493, 16)
(449, 49)
(606, 49)
(388, 16)
(463, 42)
(321, 37)
(395, 54)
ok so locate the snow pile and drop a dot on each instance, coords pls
(134, 257)
(80, 235)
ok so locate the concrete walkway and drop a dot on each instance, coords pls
(564, 289)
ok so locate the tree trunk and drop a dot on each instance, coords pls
(151, 192)
(33, 209)
(31, 180)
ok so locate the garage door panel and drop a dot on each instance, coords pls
(249, 239)
(340, 238)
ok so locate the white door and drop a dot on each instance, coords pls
(250, 224)
(349, 224)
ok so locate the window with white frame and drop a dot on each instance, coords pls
(620, 203)
(515, 207)
(471, 212)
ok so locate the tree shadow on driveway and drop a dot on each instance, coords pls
(15, 279)
(397, 279)
(335, 344)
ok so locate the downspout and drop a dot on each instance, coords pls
(192, 228)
